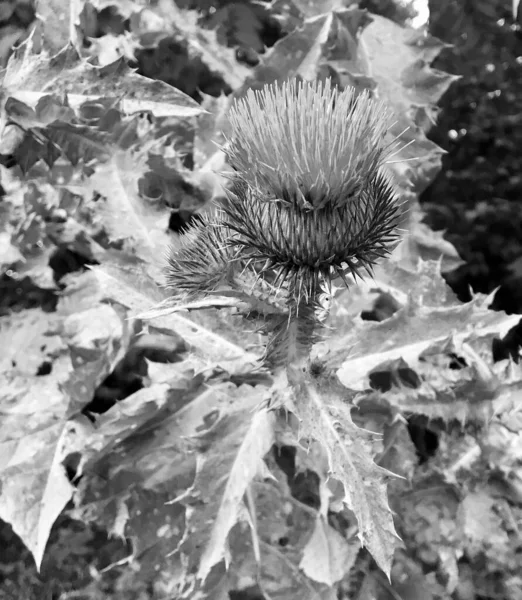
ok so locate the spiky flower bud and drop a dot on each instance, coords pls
(309, 196)
(203, 260)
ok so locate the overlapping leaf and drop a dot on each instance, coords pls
(324, 416)
(140, 224)
(238, 446)
(410, 86)
(29, 76)
(411, 354)
(176, 467)
(35, 409)
(302, 52)
(202, 447)
(202, 43)
(130, 286)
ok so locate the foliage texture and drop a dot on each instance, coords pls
(251, 443)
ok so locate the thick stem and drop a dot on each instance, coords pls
(293, 336)
(302, 333)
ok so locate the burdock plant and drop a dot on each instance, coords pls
(309, 202)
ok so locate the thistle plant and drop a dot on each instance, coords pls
(309, 201)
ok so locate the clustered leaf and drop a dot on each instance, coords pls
(193, 467)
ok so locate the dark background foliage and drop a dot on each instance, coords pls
(477, 197)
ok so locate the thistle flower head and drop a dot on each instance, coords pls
(309, 197)
(307, 144)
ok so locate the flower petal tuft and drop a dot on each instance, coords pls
(306, 143)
